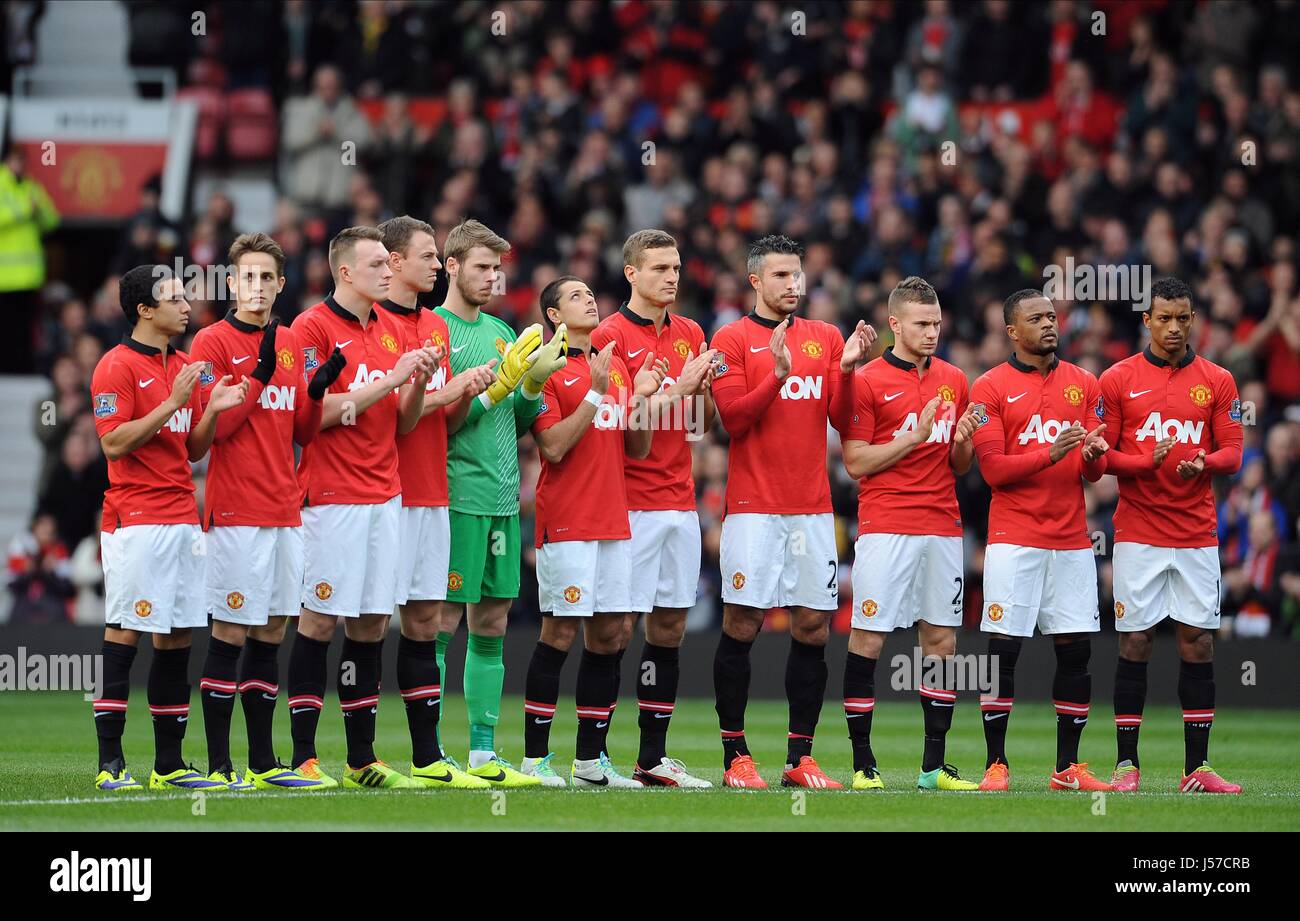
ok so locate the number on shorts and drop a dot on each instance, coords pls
(956, 599)
(832, 586)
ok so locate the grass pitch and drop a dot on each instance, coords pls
(47, 764)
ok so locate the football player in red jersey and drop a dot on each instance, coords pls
(1039, 568)
(593, 416)
(660, 489)
(909, 440)
(782, 378)
(352, 502)
(152, 423)
(425, 527)
(251, 515)
(1173, 421)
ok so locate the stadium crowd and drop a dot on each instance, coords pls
(971, 143)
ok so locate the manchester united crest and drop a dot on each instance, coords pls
(1074, 395)
(869, 608)
(995, 612)
(1201, 395)
(682, 348)
(738, 581)
(285, 359)
(1119, 610)
(324, 590)
(946, 393)
(501, 346)
(455, 581)
(389, 342)
(143, 608)
(234, 601)
(573, 594)
(812, 348)
(616, 379)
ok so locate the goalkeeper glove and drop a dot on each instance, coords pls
(516, 361)
(549, 358)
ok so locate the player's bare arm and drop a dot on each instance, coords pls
(359, 400)
(225, 395)
(962, 454)
(411, 396)
(863, 459)
(556, 441)
(129, 436)
(637, 439)
(461, 389)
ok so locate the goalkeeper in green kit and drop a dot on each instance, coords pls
(483, 476)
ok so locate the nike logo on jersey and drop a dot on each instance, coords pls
(990, 717)
(240, 360)
(635, 354)
(457, 348)
(759, 349)
(144, 384)
(570, 381)
(339, 345)
(1013, 399)
(893, 396)
(1134, 396)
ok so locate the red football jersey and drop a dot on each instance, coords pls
(584, 496)
(154, 483)
(1022, 412)
(422, 452)
(662, 480)
(1146, 400)
(352, 464)
(251, 477)
(777, 461)
(917, 495)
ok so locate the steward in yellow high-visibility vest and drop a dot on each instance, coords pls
(26, 214)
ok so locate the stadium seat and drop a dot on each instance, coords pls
(250, 125)
(207, 135)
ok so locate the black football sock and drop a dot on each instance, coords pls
(1130, 699)
(656, 698)
(995, 708)
(1072, 695)
(169, 704)
(937, 705)
(1196, 694)
(731, 692)
(307, 671)
(359, 699)
(109, 708)
(259, 686)
(805, 689)
(595, 685)
(618, 683)
(420, 685)
(859, 705)
(217, 689)
(541, 691)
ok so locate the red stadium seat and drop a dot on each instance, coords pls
(250, 125)
(207, 134)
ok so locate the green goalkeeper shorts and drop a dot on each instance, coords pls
(484, 561)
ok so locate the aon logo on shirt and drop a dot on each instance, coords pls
(277, 396)
(802, 388)
(180, 420)
(438, 381)
(365, 376)
(1043, 431)
(608, 416)
(940, 434)
(1181, 430)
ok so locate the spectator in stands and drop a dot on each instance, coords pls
(38, 575)
(317, 131)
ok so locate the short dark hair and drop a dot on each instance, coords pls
(911, 290)
(1012, 304)
(772, 243)
(247, 243)
(140, 286)
(398, 231)
(635, 246)
(1170, 289)
(550, 297)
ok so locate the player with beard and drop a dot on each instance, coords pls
(1039, 570)
(483, 479)
(782, 378)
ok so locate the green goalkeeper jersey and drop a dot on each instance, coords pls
(482, 456)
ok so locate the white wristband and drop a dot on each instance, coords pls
(594, 398)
